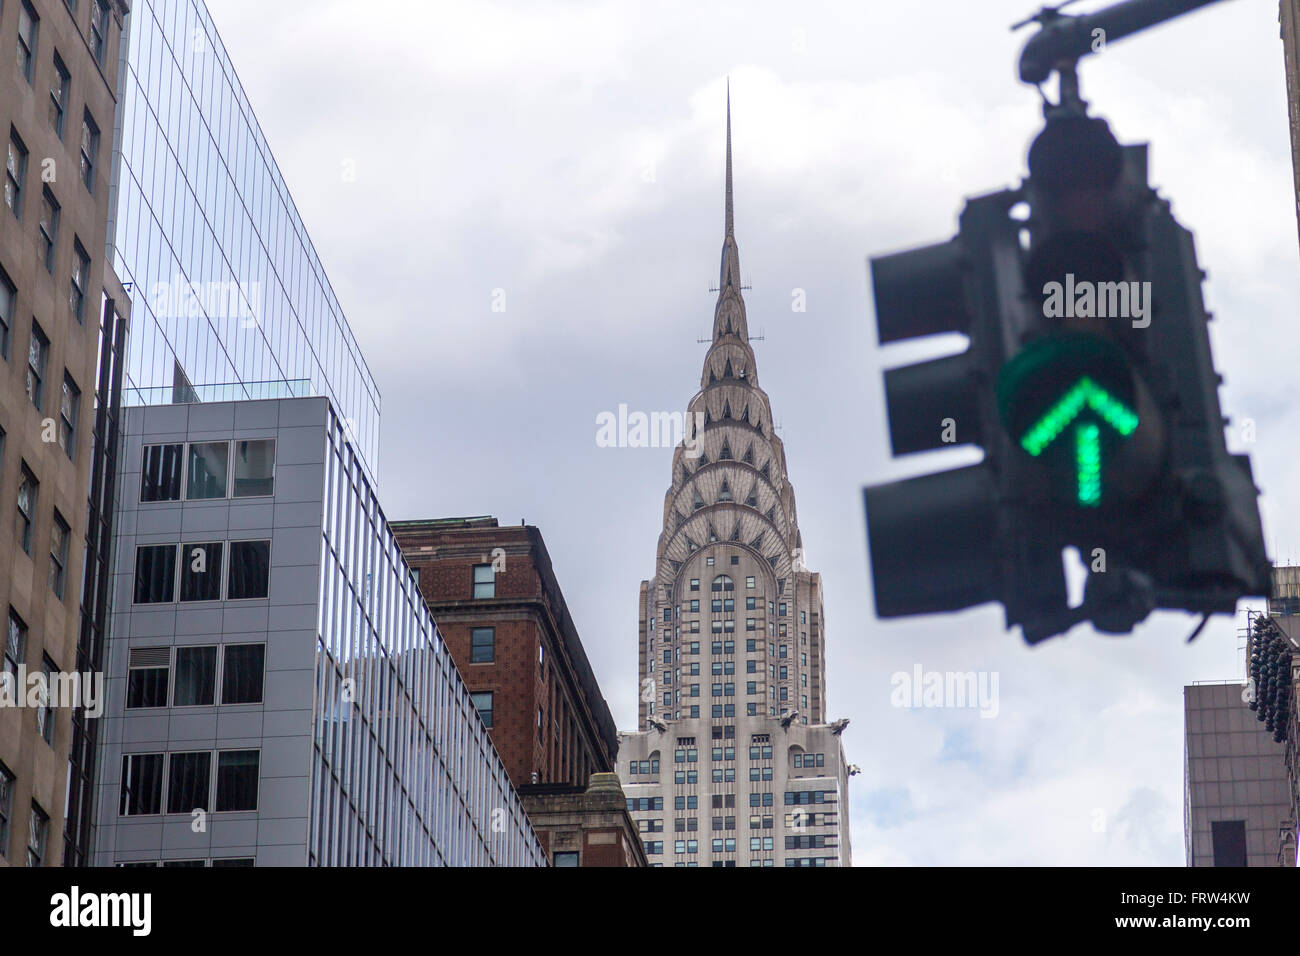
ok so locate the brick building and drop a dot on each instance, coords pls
(584, 827)
(502, 614)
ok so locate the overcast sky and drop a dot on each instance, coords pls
(570, 154)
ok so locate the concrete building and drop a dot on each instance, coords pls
(63, 318)
(732, 646)
(500, 609)
(279, 694)
(584, 826)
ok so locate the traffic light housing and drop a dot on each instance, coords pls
(1088, 382)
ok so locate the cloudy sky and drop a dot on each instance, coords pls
(570, 155)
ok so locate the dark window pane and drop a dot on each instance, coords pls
(234, 861)
(141, 784)
(160, 473)
(566, 859)
(147, 687)
(201, 572)
(207, 478)
(1229, 838)
(188, 783)
(155, 574)
(254, 468)
(241, 681)
(183, 862)
(250, 570)
(482, 645)
(196, 675)
(483, 704)
(237, 779)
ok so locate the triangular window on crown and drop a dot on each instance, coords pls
(676, 566)
(751, 499)
(712, 377)
(726, 409)
(749, 455)
(708, 417)
(767, 469)
(725, 453)
(757, 543)
(691, 545)
(726, 370)
(735, 533)
(698, 503)
(704, 458)
(772, 562)
(724, 494)
(713, 535)
(771, 513)
(680, 518)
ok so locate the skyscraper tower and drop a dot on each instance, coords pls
(732, 662)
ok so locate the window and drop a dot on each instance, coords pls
(1229, 842)
(89, 150)
(566, 858)
(15, 648)
(482, 645)
(196, 676)
(80, 279)
(749, 582)
(482, 701)
(15, 174)
(7, 295)
(38, 351)
(6, 808)
(695, 584)
(250, 570)
(28, 25)
(155, 574)
(59, 537)
(254, 468)
(141, 791)
(98, 29)
(208, 463)
(237, 780)
(160, 473)
(37, 833)
(189, 781)
(243, 673)
(201, 571)
(28, 489)
(69, 410)
(485, 583)
(49, 227)
(59, 96)
(148, 676)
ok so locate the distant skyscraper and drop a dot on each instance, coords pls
(230, 299)
(732, 664)
(1289, 17)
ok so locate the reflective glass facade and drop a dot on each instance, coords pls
(401, 759)
(226, 284)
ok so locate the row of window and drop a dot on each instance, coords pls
(38, 356)
(187, 780)
(213, 861)
(198, 566)
(15, 652)
(25, 527)
(38, 823)
(188, 676)
(207, 470)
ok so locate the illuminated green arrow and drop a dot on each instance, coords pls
(1082, 395)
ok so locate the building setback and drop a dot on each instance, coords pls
(732, 649)
(503, 615)
(279, 694)
(62, 330)
(1241, 789)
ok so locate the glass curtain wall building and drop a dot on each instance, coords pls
(228, 292)
(278, 692)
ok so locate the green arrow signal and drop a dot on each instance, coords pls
(1083, 394)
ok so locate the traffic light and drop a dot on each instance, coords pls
(1090, 385)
